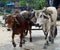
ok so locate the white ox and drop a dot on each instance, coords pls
(47, 19)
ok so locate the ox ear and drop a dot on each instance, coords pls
(50, 12)
(37, 14)
(44, 9)
(47, 11)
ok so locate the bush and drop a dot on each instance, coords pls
(36, 4)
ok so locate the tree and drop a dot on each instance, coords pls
(37, 4)
(4, 1)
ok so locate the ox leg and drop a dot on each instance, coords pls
(45, 34)
(13, 40)
(21, 36)
(53, 31)
(47, 43)
(50, 36)
(24, 37)
(30, 35)
(47, 40)
(45, 31)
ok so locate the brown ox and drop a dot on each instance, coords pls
(18, 27)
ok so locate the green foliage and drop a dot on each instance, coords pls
(37, 4)
(4, 1)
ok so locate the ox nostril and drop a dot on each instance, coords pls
(8, 30)
(37, 25)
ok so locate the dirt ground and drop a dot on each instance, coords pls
(37, 44)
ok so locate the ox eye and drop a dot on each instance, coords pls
(41, 16)
(45, 17)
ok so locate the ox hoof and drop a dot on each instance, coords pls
(45, 37)
(30, 39)
(52, 41)
(20, 45)
(45, 47)
(47, 44)
(14, 45)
